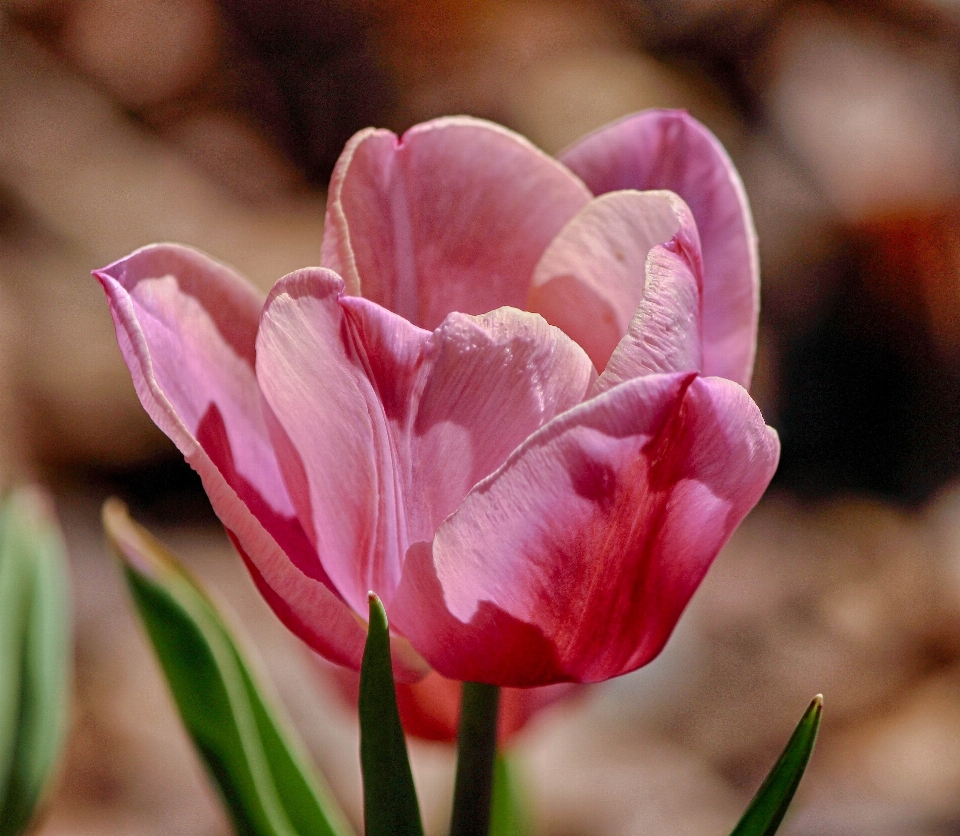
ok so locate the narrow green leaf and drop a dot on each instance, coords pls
(258, 765)
(769, 805)
(35, 654)
(390, 806)
(14, 601)
(507, 817)
(476, 760)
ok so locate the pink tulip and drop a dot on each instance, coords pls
(534, 503)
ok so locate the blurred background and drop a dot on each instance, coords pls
(217, 123)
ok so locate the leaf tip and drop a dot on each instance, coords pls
(114, 511)
(378, 614)
(134, 545)
(815, 709)
(34, 506)
(118, 526)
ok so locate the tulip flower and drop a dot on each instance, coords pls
(510, 401)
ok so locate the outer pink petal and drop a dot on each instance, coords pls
(451, 217)
(605, 273)
(383, 428)
(186, 326)
(575, 560)
(664, 149)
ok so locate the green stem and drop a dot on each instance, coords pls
(476, 750)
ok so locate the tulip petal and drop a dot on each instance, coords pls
(490, 382)
(663, 149)
(186, 326)
(605, 274)
(382, 428)
(574, 561)
(452, 216)
(664, 334)
(330, 427)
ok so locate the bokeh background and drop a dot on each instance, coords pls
(217, 122)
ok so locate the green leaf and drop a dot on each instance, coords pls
(507, 817)
(390, 806)
(258, 765)
(35, 654)
(769, 805)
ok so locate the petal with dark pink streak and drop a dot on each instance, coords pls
(186, 326)
(574, 561)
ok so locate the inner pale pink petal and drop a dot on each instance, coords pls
(664, 334)
(592, 277)
(489, 382)
(575, 560)
(455, 403)
(451, 217)
(669, 149)
(318, 374)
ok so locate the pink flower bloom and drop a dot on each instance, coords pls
(535, 503)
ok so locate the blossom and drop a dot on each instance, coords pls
(511, 400)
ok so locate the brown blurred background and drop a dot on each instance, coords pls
(217, 122)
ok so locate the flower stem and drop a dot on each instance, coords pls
(476, 749)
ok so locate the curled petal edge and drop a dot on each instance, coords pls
(669, 149)
(339, 634)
